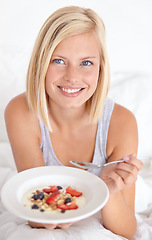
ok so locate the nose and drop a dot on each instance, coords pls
(72, 74)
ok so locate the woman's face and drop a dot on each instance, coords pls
(73, 72)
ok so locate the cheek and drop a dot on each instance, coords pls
(50, 79)
(49, 82)
(49, 75)
(92, 79)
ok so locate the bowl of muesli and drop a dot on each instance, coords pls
(54, 194)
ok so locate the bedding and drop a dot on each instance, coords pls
(129, 38)
(12, 227)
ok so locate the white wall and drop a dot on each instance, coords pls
(129, 40)
(128, 23)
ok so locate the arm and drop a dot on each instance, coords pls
(24, 134)
(118, 214)
(25, 138)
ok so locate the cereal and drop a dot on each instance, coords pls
(53, 199)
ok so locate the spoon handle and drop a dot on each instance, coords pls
(118, 161)
(86, 165)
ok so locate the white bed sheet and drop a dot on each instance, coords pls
(12, 227)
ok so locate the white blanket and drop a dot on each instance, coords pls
(14, 228)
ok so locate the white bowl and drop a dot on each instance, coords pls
(93, 188)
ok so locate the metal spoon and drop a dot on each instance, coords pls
(86, 165)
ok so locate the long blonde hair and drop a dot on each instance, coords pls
(64, 23)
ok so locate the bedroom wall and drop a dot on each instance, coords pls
(129, 38)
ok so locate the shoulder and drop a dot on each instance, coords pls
(123, 133)
(18, 103)
(122, 117)
(17, 109)
(18, 115)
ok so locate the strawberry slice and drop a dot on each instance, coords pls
(50, 190)
(51, 199)
(69, 206)
(73, 192)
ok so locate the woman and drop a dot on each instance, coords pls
(65, 113)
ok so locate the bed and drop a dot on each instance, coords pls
(129, 38)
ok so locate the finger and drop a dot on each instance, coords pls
(134, 161)
(117, 179)
(50, 226)
(65, 225)
(127, 177)
(128, 172)
(127, 168)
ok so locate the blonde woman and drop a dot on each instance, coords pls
(65, 113)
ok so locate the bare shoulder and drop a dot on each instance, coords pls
(123, 116)
(18, 105)
(24, 133)
(123, 133)
(17, 113)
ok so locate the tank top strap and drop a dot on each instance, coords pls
(100, 155)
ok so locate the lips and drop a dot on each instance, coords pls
(70, 90)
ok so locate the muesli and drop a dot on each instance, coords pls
(54, 199)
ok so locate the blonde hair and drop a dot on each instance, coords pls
(64, 23)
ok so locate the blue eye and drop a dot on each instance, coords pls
(86, 63)
(58, 61)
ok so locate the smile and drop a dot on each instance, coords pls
(68, 90)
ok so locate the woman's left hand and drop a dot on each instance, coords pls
(118, 176)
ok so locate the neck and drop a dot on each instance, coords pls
(64, 118)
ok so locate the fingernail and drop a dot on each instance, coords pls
(126, 158)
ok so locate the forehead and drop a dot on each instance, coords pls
(80, 44)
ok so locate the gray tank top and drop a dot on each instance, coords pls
(100, 156)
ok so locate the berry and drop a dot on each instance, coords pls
(67, 200)
(73, 192)
(51, 199)
(35, 206)
(62, 211)
(42, 210)
(59, 187)
(50, 190)
(70, 206)
(40, 195)
(35, 197)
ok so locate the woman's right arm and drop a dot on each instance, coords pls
(25, 137)
(24, 134)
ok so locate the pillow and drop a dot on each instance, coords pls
(133, 91)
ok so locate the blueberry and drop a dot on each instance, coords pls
(40, 195)
(35, 196)
(59, 187)
(35, 206)
(67, 200)
(42, 210)
(62, 211)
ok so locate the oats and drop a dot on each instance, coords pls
(49, 207)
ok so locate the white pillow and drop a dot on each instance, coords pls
(133, 91)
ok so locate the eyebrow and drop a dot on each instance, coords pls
(58, 56)
(87, 57)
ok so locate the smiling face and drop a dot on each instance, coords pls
(73, 72)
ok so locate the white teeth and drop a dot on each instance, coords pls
(70, 90)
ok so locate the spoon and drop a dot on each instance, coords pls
(86, 165)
